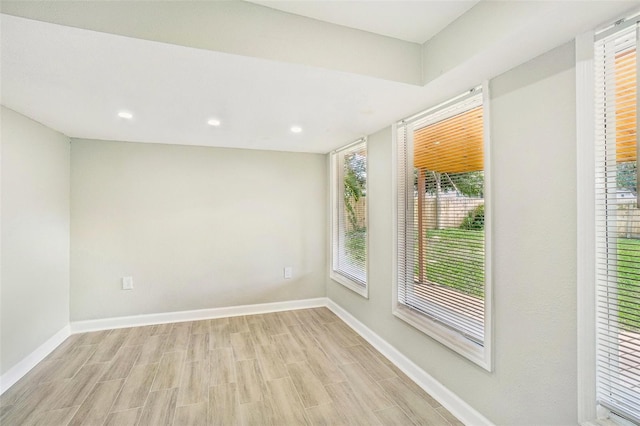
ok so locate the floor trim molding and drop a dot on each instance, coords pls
(16, 372)
(200, 314)
(463, 411)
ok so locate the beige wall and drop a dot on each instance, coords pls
(534, 257)
(196, 227)
(35, 236)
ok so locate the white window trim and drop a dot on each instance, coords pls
(480, 355)
(333, 194)
(586, 229)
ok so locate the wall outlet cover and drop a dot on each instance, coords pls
(127, 283)
(288, 272)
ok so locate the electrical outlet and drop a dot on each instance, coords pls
(288, 272)
(127, 283)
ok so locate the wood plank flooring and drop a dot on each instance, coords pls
(303, 367)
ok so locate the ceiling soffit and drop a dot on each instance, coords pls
(239, 28)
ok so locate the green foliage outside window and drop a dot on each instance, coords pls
(355, 179)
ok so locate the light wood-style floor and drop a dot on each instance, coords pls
(285, 368)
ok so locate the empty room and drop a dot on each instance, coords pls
(319, 213)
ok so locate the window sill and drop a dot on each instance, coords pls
(350, 284)
(450, 338)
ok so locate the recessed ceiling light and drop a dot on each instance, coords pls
(296, 129)
(213, 122)
(125, 114)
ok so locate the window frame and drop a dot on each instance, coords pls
(586, 229)
(361, 288)
(590, 412)
(480, 355)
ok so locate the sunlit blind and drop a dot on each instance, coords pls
(350, 213)
(441, 227)
(617, 225)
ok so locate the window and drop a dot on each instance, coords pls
(349, 216)
(617, 219)
(442, 279)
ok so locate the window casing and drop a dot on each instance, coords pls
(349, 216)
(443, 220)
(617, 222)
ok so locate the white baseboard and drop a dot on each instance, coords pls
(16, 372)
(200, 314)
(463, 411)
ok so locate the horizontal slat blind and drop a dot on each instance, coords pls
(617, 225)
(350, 215)
(441, 251)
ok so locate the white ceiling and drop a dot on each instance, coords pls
(76, 81)
(415, 21)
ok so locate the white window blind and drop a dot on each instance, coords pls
(349, 216)
(617, 223)
(441, 221)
